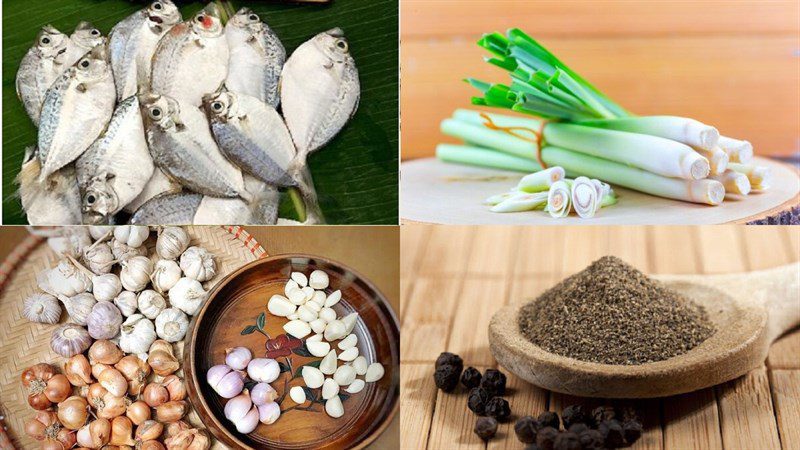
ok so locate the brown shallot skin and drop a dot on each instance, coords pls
(78, 370)
(138, 412)
(73, 412)
(175, 387)
(122, 431)
(135, 371)
(149, 430)
(171, 411)
(105, 352)
(151, 445)
(155, 395)
(174, 428)
(44, 386)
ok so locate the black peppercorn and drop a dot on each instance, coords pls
(471, 378)
(578, 428)
(602, 413)
(549, 419)
(546, 438)
(494, 382)
(486, 427)
(498, 408)
(632, 431)
(573, 414)
(478, 398)
(526, 428)
(592, 440)
(450, 359)
(627, 413)
(612, 433)
(567, 440)
(446, 377)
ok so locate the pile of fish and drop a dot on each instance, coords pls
(178, 122)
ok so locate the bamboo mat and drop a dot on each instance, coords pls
(453, 278)
(25, 343)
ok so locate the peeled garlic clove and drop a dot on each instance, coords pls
(333, 298)
(297, 328)
(315, 338)
(290, 286)
(297, 394)
(305, 314)
(313, 377)
(328, 363)
(308, 292)
(329, 389)
(318, 349)
(318, 326)
(334, 407)
(374, 372)
(350, 322)
(297, 296)
(349, 354)
(350, 341)
(280, 306)
(300, 278)
(344, 375)
(293, 316)
(327, 315)
(360, 364)
(335, 330)
(313, 306)
(355, 387)
(318, 279)
(318, 299)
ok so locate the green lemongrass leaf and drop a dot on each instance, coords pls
(478, 84)
(564, 81)
(509, 64)
(530, 90)
(495, 43)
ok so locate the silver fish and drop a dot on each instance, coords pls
(40, 67)
(133, 41)
(171, 208)
(82, 40)
(76, 110)
(158, 184)
(117, 166)
(256, 57)
(182, 146)
(191, 60)
(319, 90)
(55, 201)
(252, 135)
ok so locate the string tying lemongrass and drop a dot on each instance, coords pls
(717, 158)
(541, 180)
(559, 199)
(738, 151)
(681, 129)
(585, 199)
(734, 182)
(760, 176)
(521, 201)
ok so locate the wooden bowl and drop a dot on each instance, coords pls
(233, 308)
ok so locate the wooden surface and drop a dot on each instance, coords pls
(470, 272)
(439, 192)
(704, 59)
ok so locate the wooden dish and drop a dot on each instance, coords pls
(236, 303)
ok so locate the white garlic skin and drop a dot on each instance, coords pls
(151, 303)
(172, 242)
(132, 235)
(135, 273)
(79, 307)
(104, 321)
(106, 287)
(99, 258)
(187, 295)
(41, 308)
(172, 324)
(198, 263)
(137, 333)
(166, 274)
(64, 279)
(69, 339)
(70, 241)
(123, 252)
(100, 231)
(127, 303)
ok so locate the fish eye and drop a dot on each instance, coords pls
(253, 18)
(95, 32)
(155, 113)
(85, 63)
(201, 18)
(157, 6)
(216, 106)
(90, 199)
(342, 44)
(45, 40)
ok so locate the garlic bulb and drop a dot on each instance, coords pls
(198, 263)
(104, 321)
(106, 287)
(132, 235)
(172, 242)
(122, 252)
(79, 307)
(137, 334)
(165, 274)
(68, 340)
(99, 258)
(151, 303)
(41, 308)
(100, 231)
(65, 279)
(127, 303)
(187, 295)
(135, 274)
(171, 325)
(71, 241)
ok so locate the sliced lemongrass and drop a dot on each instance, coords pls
(717, 158)
(734, 182)
(484, 157)
(559, 199)
(585, 199)
(602, 190)
(540, 181)
(498, 198)
(681, 129)
(738, 151)
(521, 202)
(760, 176)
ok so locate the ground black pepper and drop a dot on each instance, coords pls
(498, 408)
(478, 398)
(494, 382)
(446, 377)
(614, 314)
(486, 427)
(525, 429)
(471, 378)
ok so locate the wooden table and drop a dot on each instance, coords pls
(453, 278)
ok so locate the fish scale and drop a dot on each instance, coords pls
(168, 209)
(39, 68)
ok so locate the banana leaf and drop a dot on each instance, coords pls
(356, 174)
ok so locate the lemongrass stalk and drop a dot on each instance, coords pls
(717, 158)
(681, 129)
(658, 155)
(541, 180)
(710, 192)
(738, 151)
(585, 199)
(559, 199)
(760, 176)
(484, 157)
(521, 202)
(734, 182)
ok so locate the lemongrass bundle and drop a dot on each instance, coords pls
(760, 176)
(717, 158)
(734, 182)
(738, 151)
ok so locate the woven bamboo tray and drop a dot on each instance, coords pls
(25, 343)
